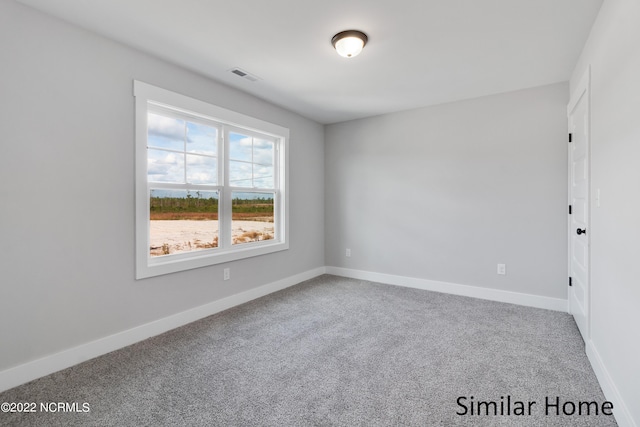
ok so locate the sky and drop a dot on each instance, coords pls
(180, 150)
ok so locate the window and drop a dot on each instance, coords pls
(210, 184)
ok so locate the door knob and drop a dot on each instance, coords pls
(581, 231)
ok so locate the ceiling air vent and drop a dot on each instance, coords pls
(245, 75)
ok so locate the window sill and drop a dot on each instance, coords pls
(157, 266)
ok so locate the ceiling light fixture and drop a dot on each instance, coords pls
(349, 43)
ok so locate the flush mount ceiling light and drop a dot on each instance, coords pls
(349, 43)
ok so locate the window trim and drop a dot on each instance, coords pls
(147, 266)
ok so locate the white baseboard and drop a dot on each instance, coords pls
(528, 300)
(620, 409)
(49, 364)
(29, 371)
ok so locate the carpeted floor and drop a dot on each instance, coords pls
(335, 351)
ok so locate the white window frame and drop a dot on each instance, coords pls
(147, 266)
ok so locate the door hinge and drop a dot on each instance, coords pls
(570, 283)
(570, 137)
(569, 209)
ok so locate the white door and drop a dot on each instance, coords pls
(578, 111)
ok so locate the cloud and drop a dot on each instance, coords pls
(202, 170)
(165, 127)
(262, 143)
(157, 169)
(201, 178)
(263, 154)
(195, 160)
(202, 139)
(164, 166)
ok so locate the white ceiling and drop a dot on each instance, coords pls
(420, 52)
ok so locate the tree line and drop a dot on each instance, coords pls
(201, 204)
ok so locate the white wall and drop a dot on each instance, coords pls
(446, 193)
(613, 51)
(67, 190)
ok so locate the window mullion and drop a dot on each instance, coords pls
(225, 204)
(253, 165)
(184, 151)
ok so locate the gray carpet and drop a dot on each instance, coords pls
(333, 351)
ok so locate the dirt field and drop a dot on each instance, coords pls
(170, 237)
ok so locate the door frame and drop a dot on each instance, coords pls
(583, 89)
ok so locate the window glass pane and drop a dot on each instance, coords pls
(202, 169)
(263, 151)
(202, 139)
(165, 166)
(240, 147)
(240, 174)
(262, 176)
(182, 221)
(252, 217)
(165, 132)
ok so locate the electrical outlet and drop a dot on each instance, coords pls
(227, 273)
(502, 269)
(348, 253)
